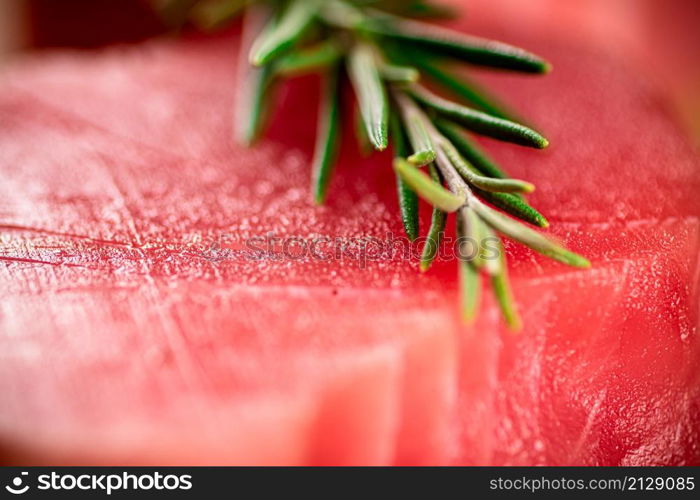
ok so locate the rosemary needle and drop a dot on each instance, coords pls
(408, 199)
(281, 36)
(470, 49)
(253, 100)
(466, 170)
(327, 137)
(415, 124)
(471, 229)
(468, 149)
(341, 14)
(427, 188)
(503, 294)
(528, 237)
(363, 142)
(316, 57)
(399, 74)
(371, 94)
(426, 10)
(475, 231)
(437, 228)
(515, 206)
(473, 177)
(254, 103)
(492, 263)
(460, 87)
(478, 121)
(469, 286)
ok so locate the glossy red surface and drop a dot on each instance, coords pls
(128, 337)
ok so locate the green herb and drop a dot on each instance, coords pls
(437, 228)
(427, 188)
(478, 121)
(477, 234)
(408, 200)
(253, 100)
(371, 93)
(469, 149)
(459, 86)
(399, 74)
(415, 8)
(504, 296)
(473, 176)
(528, 237)
(280, 36)
(423, 149)
(515, 206)
(469, 285)
(307, 60)
(327, 138)
(441, 41)
(385, 55)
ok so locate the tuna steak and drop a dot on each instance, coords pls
(138, 326)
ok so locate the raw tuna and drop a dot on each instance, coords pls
(136, 328)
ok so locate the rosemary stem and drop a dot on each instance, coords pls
(428, 189)
(415, 122)
(437, 228)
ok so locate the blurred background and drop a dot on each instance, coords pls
(661, 37)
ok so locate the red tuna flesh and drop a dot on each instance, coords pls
(127, 336)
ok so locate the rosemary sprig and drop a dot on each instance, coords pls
(385, 56)
(527, 236)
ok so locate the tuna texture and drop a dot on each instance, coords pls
(161, 301)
